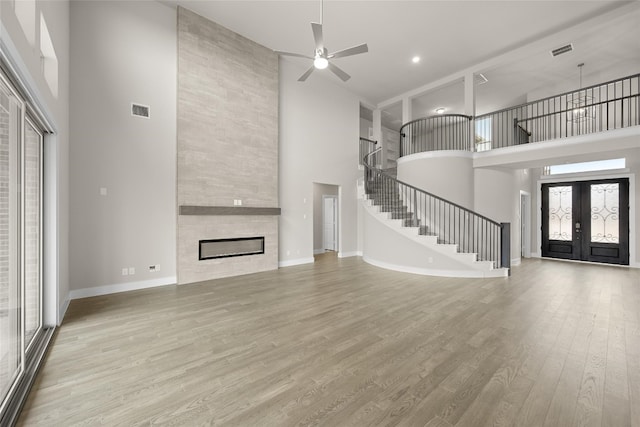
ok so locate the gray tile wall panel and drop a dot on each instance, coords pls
(227, 142)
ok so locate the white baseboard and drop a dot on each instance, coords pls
(349, 254)
(515, 262)
(299, 261)
(63, 310)
(318, 251)
(121, 287)
(631, 263)
(435, 272)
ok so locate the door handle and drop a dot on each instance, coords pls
(578, 225)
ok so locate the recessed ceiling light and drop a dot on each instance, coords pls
(415, 59)
(440, 110)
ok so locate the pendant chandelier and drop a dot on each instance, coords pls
(579, 104)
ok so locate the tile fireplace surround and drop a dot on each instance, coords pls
(227, 148)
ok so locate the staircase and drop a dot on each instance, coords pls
(444, 239)
(389, 201)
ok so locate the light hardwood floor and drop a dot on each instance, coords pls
(344, 343)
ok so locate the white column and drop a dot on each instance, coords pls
(377, 132)
(470, 103)
(469, 95)
(407, 111)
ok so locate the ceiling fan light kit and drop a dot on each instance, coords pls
(322, 58)
(320, 62)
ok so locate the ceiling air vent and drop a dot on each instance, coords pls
(561, 50)
(140, 110)
(481, 79)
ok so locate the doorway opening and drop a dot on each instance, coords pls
(586, 220)
(326, 219)
(525, 224)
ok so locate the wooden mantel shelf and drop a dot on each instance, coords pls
(227, 210)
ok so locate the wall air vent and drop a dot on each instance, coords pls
(481, 79)
(561, 50)
(140, 110)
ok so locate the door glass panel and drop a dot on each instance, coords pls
(32, 279)
(605, 206)
(560, 213)
(10, 298)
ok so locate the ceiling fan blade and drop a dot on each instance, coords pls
(317, 35)
(355, 50)
(306, 74)
(338, 72)
(279, 52)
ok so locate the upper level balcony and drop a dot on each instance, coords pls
(601, 117)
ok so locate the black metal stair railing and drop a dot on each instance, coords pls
(366, 147)
(435, 216)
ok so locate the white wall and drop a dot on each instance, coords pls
(364, 127)
(319, 130)
(497, 196)
(447, 174)
(624, 69)
(122, 52)
(24, 55)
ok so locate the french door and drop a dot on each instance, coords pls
(20, 240)
(586, 220)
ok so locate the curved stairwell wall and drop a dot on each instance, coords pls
(388, 245)
(408, 228)
(492, 192)
(449, 174)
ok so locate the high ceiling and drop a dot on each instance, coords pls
(448, 36)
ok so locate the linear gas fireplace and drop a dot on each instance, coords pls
(226, 248)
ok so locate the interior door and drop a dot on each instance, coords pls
(329, 226)
(586, 220)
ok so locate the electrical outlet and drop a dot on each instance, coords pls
(154, 268)
(125, 271)
(132, 271)
(239, 202)
(103, 191)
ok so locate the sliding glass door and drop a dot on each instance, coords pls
(20, 239)
(11, 339)
(32, 238)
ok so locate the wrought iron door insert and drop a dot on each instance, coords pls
(586, 220)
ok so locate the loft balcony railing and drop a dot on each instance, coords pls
(435, 216)
(442, 132)
(598, 108)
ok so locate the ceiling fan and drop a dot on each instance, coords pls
(322, 58)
